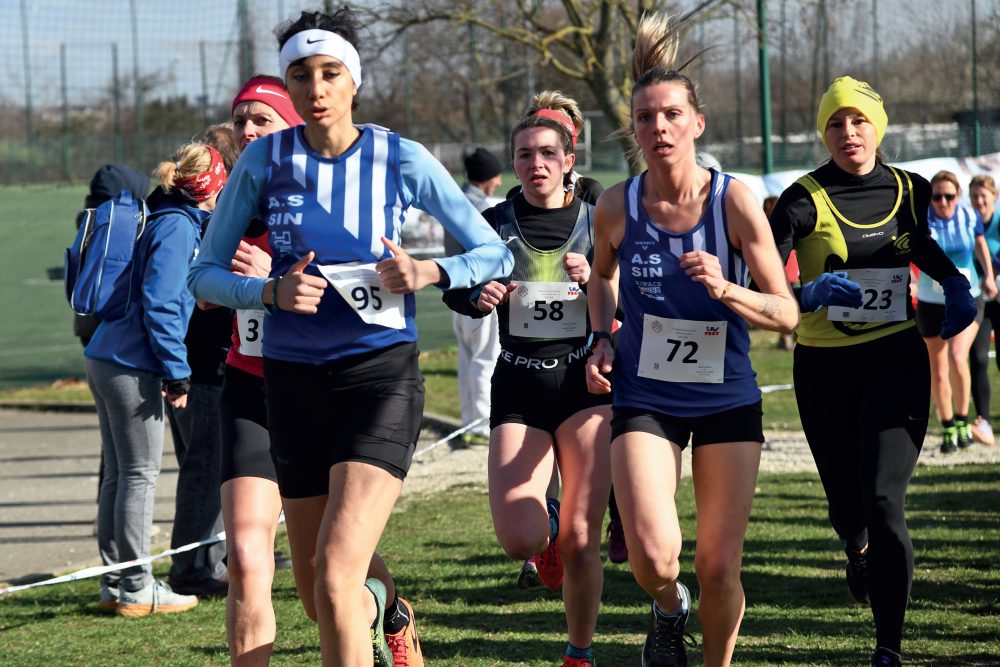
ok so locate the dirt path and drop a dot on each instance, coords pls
(784, 451)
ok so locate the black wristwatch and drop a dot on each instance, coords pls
(596, 336)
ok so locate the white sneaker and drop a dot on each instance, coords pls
(982, 431)
(156, 598)
(109, 598)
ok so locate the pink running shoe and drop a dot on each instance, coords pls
(549, 561)
(617, 549)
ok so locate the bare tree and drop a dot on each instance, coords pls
(585, 40)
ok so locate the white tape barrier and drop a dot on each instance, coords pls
(451, 436)
(89, 572)
(86, 573)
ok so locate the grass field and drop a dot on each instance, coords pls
(445, 559)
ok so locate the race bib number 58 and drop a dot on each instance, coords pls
(548, 310)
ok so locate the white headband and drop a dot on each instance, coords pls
(321, 43)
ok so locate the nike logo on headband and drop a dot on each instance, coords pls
(269, 92)
(313, 41)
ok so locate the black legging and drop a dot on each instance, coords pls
(864, 410)
(979, 359)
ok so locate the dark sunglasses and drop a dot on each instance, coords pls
(938, 196)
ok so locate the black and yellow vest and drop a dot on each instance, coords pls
(837, 243)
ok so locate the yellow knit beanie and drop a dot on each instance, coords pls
(846, 92)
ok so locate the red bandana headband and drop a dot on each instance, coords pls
(207, 183)
(562, 119)
(266, 91)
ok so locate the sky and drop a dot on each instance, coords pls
(173, 34)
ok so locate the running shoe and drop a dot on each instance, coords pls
(665, 640)
(156, 598)
(209, 587)
(982, 431)
(963, 435)
(549, 561)
(405, 644)
(380, 649)
(883, 657)
(577, 662)
(949, 444)
(528, 578)
(857, 576)
(109, 598)
(617, 549)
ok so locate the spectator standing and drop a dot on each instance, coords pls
(133, 362)
(478, 342)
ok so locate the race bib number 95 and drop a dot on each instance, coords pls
(360, 286)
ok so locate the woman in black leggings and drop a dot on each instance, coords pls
(862, 378)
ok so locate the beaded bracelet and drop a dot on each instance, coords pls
(274, 292)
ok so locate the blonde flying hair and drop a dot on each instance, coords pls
(654, 61)
(556, 101)
(189, 160)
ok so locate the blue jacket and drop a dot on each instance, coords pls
(151, 335)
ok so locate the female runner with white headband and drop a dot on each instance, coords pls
(345, 394)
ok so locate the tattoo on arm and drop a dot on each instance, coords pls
(770, 305)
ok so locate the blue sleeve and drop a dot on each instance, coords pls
(166, 302)
(210, 278)
(430, 187)
(980, 230)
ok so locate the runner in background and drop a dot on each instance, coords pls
(540, 411)
(860, 370)
(983, 194)
(587, 190)
(959, 232)
(250, 499)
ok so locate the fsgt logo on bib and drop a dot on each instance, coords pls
(712, 331)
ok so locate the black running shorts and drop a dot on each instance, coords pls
(246, 445)
(930, 317)
(529, 393)
(742, 424)
(366, 408)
